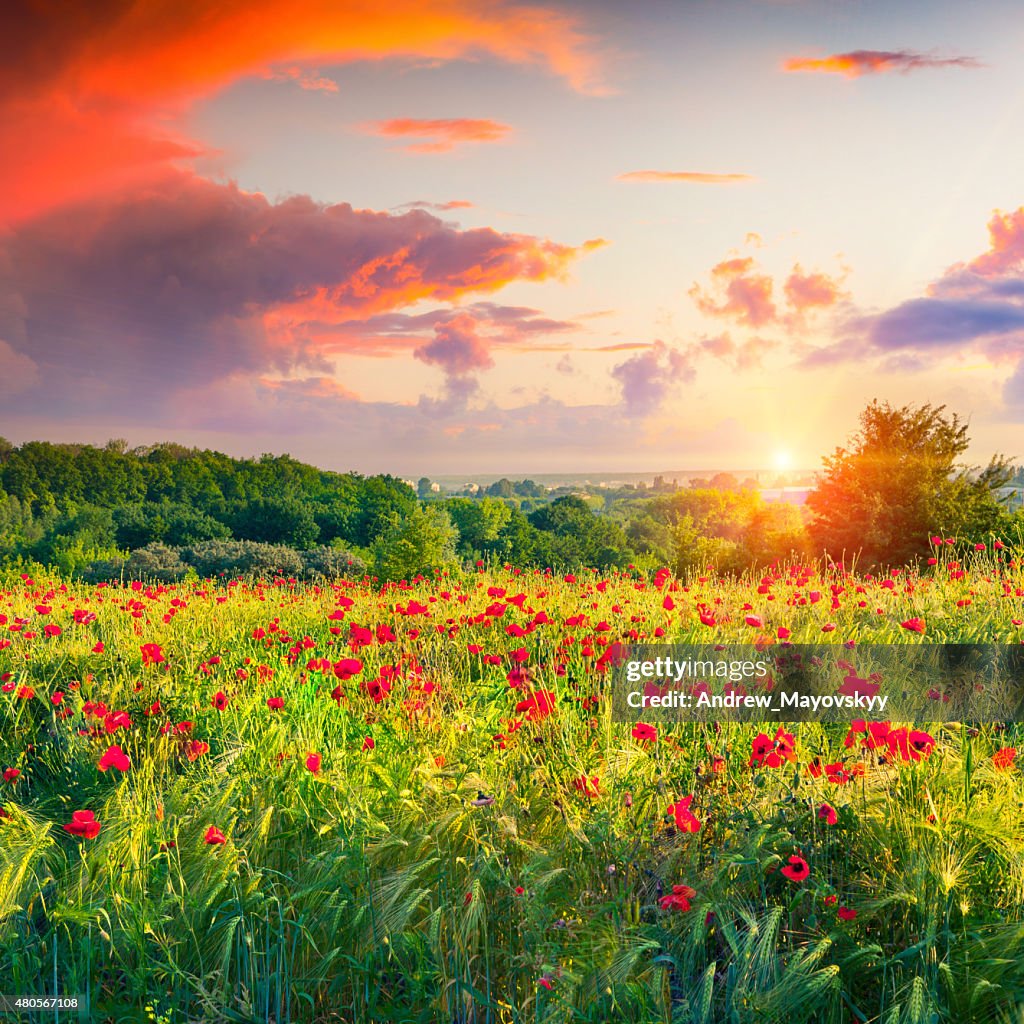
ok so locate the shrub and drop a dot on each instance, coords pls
(156, 561)
(242, 558)
(330, 563)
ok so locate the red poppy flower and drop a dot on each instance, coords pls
(1004, 758)
(368, 743)
(347, 667)
(909, 744)
(915, 625)
(275, 703)
(846, 914)
(519, 890)
(685, 820)
(537, 706)
(84, 824)
(10, 774)
(645, 733)
(220, 700)
(115, 757)
(827, 814)
(678, 899)
(796, 870)
(588, 787)
(313, 763)
(152, 654)
(214, 836)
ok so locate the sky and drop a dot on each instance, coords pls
(477, 236)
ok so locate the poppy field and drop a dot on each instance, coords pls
(256, 800)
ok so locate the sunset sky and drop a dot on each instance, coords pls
(428, 238)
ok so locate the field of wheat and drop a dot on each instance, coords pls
(271, 801)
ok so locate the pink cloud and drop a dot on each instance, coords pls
(872, 62)
(457, 348)
(647, 379)
(811, 291)
(737, 292)
(688, 177)
(442, 134)
(163, 285)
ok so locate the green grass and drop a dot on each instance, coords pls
(377, 890)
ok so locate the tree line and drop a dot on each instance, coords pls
(165, 510)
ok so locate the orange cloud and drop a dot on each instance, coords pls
(308, 80)
(86, 91)
(1006, 244)
(737, 292)
(692, 177)
(873, 62)
(423, 204)
(814, 290)
(444, 133)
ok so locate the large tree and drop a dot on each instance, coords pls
(898, 483)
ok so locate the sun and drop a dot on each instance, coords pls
(783, 460)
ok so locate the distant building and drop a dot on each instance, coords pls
(791, 495)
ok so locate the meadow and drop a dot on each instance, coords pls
(273, 801)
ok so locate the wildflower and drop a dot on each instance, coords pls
(214, 836)
(152, 654)
(115, 757)
(195, 749)
(537, 706)
(347, 667)
(909, 744)
(275, 703)
(770, 753)
(846, 914)
(84, 824)
(796, 870)
(645, 733)
(368, 743)
(827, 814)
(915, 625)
(678, 899)
(588, 787)
(220, 700)
(313, 763)
(1004, 758)
(685, 820)
(10, 774)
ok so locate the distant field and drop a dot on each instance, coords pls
(270, 801)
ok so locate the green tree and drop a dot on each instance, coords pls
(285, 521)
(479, 522)
(898, 483)
(418, 542)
